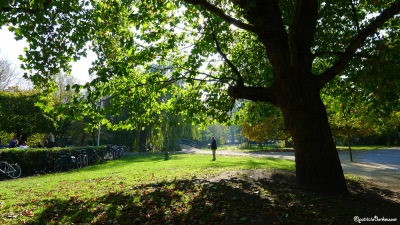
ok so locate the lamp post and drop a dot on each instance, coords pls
(98, 133)
(98, 136)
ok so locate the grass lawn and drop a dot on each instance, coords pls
(187, 189)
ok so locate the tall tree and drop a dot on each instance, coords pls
(20, 115)
(282, 52)
(363, 101)
(264, 123)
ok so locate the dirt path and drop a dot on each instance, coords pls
(380, 167)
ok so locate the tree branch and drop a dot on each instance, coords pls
(354, 10)
(239, 80)
(343, 61)
(318, 54)
(189, 71)
(266, 16)
(302, 32)
(256, 94)
(221, 14)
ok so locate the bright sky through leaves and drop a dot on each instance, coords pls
(10, 49)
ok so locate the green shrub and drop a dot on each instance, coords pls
(41, 160)
(245, 145)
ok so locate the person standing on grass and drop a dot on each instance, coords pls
(213, 147)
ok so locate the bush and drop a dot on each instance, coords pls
(245, 145)
(41, 160)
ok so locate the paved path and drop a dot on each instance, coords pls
(381, 167)
(378, 166)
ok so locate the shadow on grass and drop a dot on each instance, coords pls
(177, 202)
(246, 162)
(174, 156)
(275, 199)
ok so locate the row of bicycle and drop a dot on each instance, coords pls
(67, 161)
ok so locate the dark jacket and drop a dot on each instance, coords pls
(12, 144)
(213, 144)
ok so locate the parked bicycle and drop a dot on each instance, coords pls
(115, 151)
(108, 153)
(95, 158)
(64, 162)
(121, 149)
(10, 170)
(82, 159)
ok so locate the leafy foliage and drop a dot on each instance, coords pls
(262, 122)
(20, 115)
(130, 37)
(365, 108)
(215, 52)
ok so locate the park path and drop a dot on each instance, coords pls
(381, 167)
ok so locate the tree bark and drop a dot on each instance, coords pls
(317, 160)
(297, 94)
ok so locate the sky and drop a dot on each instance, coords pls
(11, 49)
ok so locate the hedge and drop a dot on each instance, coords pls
(35, 161)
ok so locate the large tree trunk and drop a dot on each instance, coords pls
(298, 96)
(317, 160)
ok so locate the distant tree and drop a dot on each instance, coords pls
(262, 122)
(64, 94)
(270, 128)
(348, 115)
(363, 102)
(219, 131)
(396, 122)
(58, 104)
(20, 115)
(8, 74)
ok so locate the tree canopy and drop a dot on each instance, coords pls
(20, 115)
(262, 122)
(280, 52)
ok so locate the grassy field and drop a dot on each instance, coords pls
(187, 189)
(81, 195)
